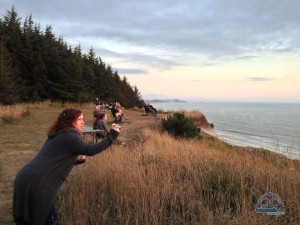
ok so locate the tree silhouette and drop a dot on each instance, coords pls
(35, 65)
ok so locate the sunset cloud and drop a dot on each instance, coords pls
(174, 41)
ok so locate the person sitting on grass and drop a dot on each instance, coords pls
(150, 109)
(117, 114)
(121, 114)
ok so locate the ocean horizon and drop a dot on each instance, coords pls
(272, 126)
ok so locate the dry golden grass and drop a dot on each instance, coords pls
(20, 138)
(168, 181)
(156, 180)
(13, 113)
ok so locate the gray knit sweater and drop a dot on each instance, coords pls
(37, 183)
(102, 125)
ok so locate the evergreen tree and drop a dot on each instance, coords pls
(34, 69)
(46, 67)
(78, 82)
(137, 97)
(8, 92)
(12, 32)
(39, 90)
(50, 55)
(11, 40)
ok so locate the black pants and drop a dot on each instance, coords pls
(51, 220)
(52, 217)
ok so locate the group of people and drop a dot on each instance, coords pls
(114, 107)
(100, 118)
(99, 105)
(37, 183)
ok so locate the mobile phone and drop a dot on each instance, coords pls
(79, 161)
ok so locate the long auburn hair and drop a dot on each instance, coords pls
(64, 121)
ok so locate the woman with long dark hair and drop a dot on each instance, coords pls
(37, 183)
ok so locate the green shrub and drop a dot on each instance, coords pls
(180, 126)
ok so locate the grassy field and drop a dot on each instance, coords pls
(156, 180)
(23, 130)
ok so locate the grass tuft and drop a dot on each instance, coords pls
(9, 114)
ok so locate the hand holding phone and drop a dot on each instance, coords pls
(80, 159)
(116, 127)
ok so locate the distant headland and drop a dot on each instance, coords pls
(164, 100)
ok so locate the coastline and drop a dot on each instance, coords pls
(210, 131)
(271, 126)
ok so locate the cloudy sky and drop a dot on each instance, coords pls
(245, 50)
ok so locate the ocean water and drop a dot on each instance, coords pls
(272, 126)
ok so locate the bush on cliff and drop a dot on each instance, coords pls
(180, 126)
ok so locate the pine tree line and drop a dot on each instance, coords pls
(35, 65)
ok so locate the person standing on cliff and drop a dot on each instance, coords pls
(97, 103)
(37, 183)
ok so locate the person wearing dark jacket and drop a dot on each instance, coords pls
(37, 183)
(96, 114)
